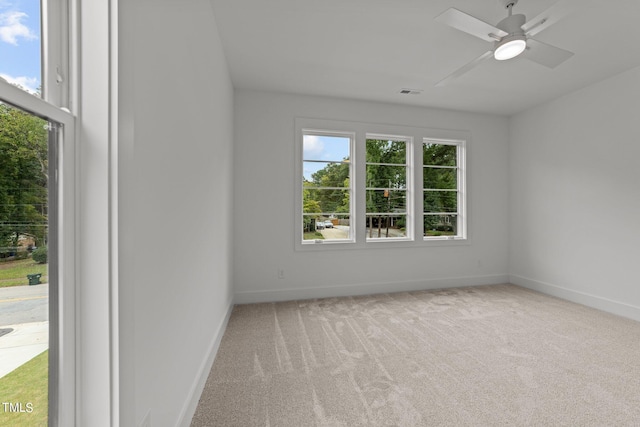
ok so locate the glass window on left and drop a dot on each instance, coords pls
(37, 215)
(27, 266)
(327, 183)
(21, 44)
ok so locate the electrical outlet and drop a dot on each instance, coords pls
(280, 273)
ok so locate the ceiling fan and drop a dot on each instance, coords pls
(511, 37)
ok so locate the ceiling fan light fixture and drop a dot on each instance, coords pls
(510, 47)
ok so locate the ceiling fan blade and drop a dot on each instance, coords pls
(460, 71)
(550, 16)
(545, 54)
(471, 25)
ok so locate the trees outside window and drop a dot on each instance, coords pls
(37, 155)
(23, 182)
(442, 184)
(387, 176)
(326, 186)
(370, 185)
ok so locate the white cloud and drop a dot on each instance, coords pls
(12, 28)
(313, 147)
(30, 84)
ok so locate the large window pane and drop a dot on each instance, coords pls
(443, 183)
(20, 44)
(25, 266)
(326, 186)
(387, 172)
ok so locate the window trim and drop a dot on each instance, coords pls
(53, 106)
(461, 179)
(352, 220)
(361, 129)
(410, 193)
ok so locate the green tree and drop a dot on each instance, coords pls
(309, 206)
(23, 177)
(386, 182)
(332, 200)
(440, 184)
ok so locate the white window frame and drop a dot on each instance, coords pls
(54, 106)
(461, 214)
(352, 221)
(55, 52)
(409, 187)
(415, 221)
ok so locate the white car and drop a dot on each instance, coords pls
(328, 224)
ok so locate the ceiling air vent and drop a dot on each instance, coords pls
(411, 91)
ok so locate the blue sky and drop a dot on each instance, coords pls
(326, 148)
(20, 39)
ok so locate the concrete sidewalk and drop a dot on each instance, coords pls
(26, 341)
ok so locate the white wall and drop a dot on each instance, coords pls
(575, 196)
(264, 209)
(176, 137)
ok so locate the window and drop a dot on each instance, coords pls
(376, 185)
(387, 182)
(37, 206)
(443, 179)
(327, 186)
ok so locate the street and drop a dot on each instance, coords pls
(24, 311)
(24, 304)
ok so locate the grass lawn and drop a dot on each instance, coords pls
(439, 233)
(313, 235)
(27, 384)
(14, 273)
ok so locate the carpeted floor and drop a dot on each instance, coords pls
(479, 356)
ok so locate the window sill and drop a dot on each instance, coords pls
(381, 244)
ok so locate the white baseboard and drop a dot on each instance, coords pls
(191, 403)
(249, 297)
(594, 301)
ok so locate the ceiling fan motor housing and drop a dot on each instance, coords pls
(515, 42)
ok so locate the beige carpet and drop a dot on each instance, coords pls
(480, 356)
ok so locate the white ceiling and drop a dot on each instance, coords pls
(370, 49)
